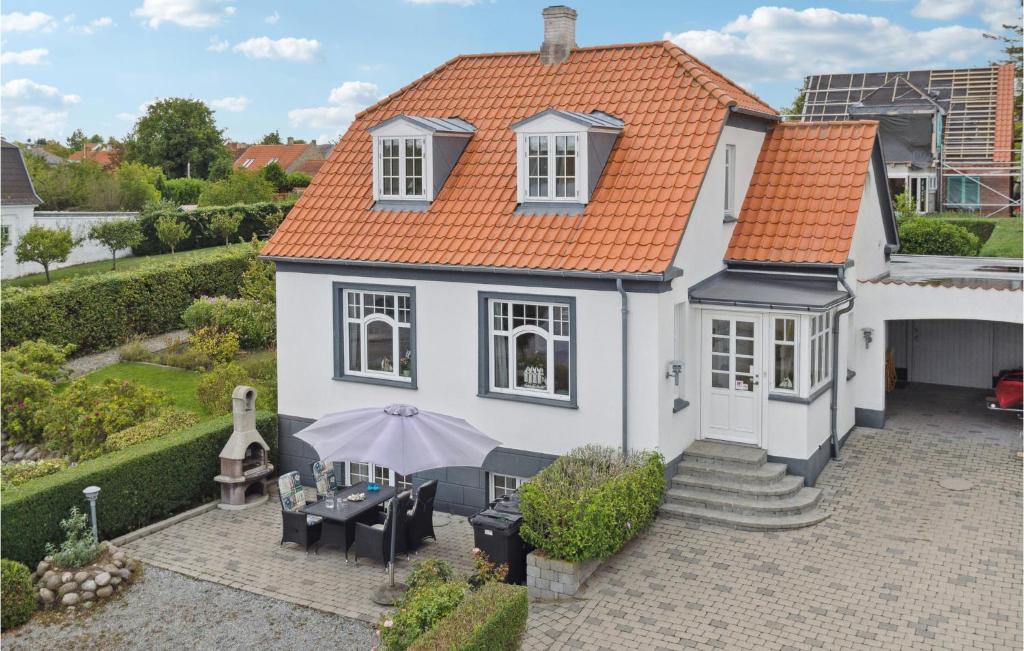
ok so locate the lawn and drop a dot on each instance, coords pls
(1001, 237)
(178, 383)
(125, 264)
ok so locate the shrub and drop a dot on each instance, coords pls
(141, 484)
(275, 175)
(101, 311)
(590, 502)
(418, 611)
(221, 346)
(923, 236)
(22, 396)
(184, 191)
(79, 419)
(78, 547)
(225, 224)
(215, 387)
(490, 619)
(484, 571)
(240, 187)
(135, 351)
(17, 474)
(171, 232)
(429, 572)
(298, 180)
(258, 281)
(164, 424)
(254, 322)
(981, 228)
(186, 357)
(45, 246)
(259, 219)
(16, 593)
(38, 358)
(904, 206)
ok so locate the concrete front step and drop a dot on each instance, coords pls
(804, 500)
(765, 474)
(784, 486)
(745, 522)
(731, 454)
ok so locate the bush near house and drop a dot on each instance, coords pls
(590, 502)
(102, 311)
(19, 600)
(492, 618)
(141, 484)
(924, 236)
(254, 322)
(260, 219)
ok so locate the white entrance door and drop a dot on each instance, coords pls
(730, 378)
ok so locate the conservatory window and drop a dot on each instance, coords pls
(529, 348)
(821, 349)
(376, 335)
(784, 345)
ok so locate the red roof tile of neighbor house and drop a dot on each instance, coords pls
(310, 166)
(262, 155)
(673, 107)
(805, 193)
(99, 154)
(1004, 113)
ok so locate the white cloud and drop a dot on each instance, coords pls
(460, 3)
(995, 13)
(30, 22)
(343, 103)
(272, 18)
(127, 117)
(93, 25)
(778, 43)
(35, 110)
(217, 45)
(232, 104)
(289, 49)
(25, 57)
(195, 14)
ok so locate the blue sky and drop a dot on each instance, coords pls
(304, 68)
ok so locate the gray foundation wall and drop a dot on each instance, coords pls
(460, 490)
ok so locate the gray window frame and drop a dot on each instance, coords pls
(338, 289)
(484, 349)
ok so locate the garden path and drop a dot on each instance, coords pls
(85, 364)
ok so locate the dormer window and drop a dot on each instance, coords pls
(412, 158)
(561, 157)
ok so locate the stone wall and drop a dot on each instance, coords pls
(550, 578)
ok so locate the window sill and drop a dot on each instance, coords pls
(800, 400)
(564, 404)
(729, 219)
(679, 404)
(401, 205)
(550, 208)
(398, 384)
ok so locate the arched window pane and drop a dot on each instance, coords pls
(531, 361)
(380, 347)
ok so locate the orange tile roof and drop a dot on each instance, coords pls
(1004, 113)
(102, 155)
(310, 166)
(261, 155)
(673, 106)
(805, 194)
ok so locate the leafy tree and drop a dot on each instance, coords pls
(904, 206)
(272, 138)
(76, 140)
(116, 235)
(103, 193)
(45, 246)
(174, 134)
(170, 231)
(239, 187)
(95, 139)
(796, 109)
(225, 224)
(298, 180)
(5, 238)
(63, 186)
(221, 167)
(276, 176)
(182, 192)
(139, 184)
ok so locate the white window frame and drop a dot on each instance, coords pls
(581, 178)
(820, 342)
(404, 482)
(428, 181)
(364, 320)
(248, 162)
(729, 205)
(795, 344)
(549, 336)
(492, 484)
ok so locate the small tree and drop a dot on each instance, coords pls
(170, 231)
(116, 235)
(45, 246)
(904, 207)
(225, 224)
(272, 138)
(276, 176)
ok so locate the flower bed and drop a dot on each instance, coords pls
(59, 587)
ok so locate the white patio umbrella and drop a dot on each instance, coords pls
(402, 438)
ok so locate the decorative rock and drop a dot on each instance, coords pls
(132, 564)
(42, 567)
(67, 588)
(88, 596)
(46, 596)
(110, 567)
(89, 585)
(115, 580)
(118, 556)
(102, 579)
(69, 599)
(67, 577)
(53, 582)
(81, 576)
(105, 592)
(126, 574)
(118, 563)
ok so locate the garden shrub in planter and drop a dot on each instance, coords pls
(166, 423)
(491, 619)
(923, 236)
(254, 322)
(590, 502)
(19, 600)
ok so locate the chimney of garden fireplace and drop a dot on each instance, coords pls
(559, 34)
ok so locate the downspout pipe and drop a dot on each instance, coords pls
(625, 365)
(834, 402)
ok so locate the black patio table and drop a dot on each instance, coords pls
(340, 522)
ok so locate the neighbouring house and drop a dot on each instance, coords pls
(613, 245)
(305, 157)
(947, 135)
(48, 157)
(18, 201)
(236, 148)
(105, 155)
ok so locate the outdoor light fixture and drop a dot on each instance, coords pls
(868, 336)
(92, 493)
(675, 369)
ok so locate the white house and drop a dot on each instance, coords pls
(611, 245)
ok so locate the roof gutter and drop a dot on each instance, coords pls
(757, 114)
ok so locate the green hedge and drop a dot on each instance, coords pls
(491, 619)
(925, 236)
(254, 216)
(590, 502)
(140, 484)
(104, 310)
(981, 228)
(16, 593)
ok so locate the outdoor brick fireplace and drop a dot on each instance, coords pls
(244, 462)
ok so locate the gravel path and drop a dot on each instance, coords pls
(79, 366)
(166, 610)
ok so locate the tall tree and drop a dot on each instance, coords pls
(174, 134)
(76, 140)
(272, 138)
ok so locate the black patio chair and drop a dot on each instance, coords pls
(297, 527)
(421, 518)
(374, 541)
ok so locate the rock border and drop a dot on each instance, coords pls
(69, 588)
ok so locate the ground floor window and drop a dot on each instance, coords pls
(784, 334)
(357, 471)
(821, 349)
(963, 192)
(502, 485)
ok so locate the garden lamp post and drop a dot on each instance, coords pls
(91, 494)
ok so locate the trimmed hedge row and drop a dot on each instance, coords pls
(491, 619)
(140, 484)
(254, 222)
(104, 310)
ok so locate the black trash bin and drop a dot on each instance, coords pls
(496, 533)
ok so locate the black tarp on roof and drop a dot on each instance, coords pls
(15, 184)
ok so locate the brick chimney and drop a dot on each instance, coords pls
(291, 140)
(559, 34)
